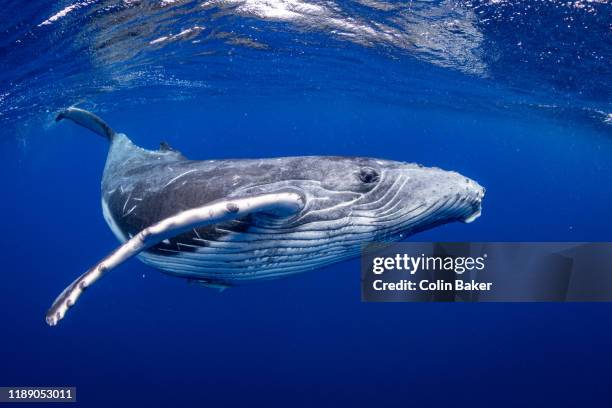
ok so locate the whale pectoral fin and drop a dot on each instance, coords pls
(209, 284)
(225, 210)
(88, 120)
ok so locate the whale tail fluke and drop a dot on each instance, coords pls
(88, 120)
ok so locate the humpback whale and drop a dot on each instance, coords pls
(228, 222)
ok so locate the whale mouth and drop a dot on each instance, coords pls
(476, 205)
(473, 216)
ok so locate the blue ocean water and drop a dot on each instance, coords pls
(514, 94)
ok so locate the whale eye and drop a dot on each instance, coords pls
(368, 175)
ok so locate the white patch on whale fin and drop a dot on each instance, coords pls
(87, 120)
(278, 203)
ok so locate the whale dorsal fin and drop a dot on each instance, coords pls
(165, 147)
(282, 204)
(119, 141)
(88, 120)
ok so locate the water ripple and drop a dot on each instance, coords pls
(472, 54)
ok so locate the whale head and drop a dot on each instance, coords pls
(364, 199)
